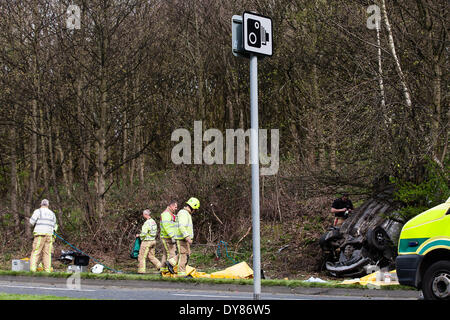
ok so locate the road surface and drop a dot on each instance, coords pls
(164, 290)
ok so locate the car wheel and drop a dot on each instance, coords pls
(378, 238)
(436, 281)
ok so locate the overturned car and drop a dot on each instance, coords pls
(366, 240)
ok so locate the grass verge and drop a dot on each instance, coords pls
(156, 277)
(7, 296)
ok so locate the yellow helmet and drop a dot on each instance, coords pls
(194, 203)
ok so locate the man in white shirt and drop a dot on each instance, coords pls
(44, 222)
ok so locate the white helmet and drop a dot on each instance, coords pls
(98, 268)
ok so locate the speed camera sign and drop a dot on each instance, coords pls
(252, 38)
(257, 34)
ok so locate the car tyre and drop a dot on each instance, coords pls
(378, 238)
(436, 281)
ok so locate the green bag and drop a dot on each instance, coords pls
(136, 247)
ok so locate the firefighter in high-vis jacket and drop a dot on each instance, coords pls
(167, 233)
(148, 236)
(44, 222)
(184, 236)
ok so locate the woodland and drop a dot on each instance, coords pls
(357, 89)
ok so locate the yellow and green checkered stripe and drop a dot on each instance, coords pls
(424, 245)
(436, 243)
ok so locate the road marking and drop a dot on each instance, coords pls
(234, 297)
(202, 295)
(288, 298)
(44, 288)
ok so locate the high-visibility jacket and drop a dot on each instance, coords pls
(167, 225)
(44, 222)
(185, 227)
(149, 230)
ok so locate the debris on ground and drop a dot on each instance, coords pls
(312, 279)
(378, 278)
(237, 271)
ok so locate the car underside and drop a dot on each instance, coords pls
(365, 241)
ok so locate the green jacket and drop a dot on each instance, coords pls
(149, 230)
(168, 225)
(185, 227)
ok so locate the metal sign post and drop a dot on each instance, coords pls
(252, 37)
(254, 158)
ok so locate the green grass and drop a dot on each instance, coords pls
(157, 277)
(6, 296)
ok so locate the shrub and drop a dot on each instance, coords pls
(433, 190)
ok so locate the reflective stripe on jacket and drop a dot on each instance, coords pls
(184, 225)
(44, 222)
(149, 230)
(168, 225)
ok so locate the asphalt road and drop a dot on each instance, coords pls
(163, 290)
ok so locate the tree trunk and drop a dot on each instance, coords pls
(33, 151)
(398, 67)
(380, 74)
(141, 158)
(44, 151)
(13, 164)
(435, 121)
(318, 126)
(101, 152)
(124, 171)
(65, 164)
(102, 127)
(33, 168)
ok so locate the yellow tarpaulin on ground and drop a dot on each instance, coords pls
(375, 279)
(238, 271)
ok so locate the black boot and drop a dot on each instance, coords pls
(169, 266)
